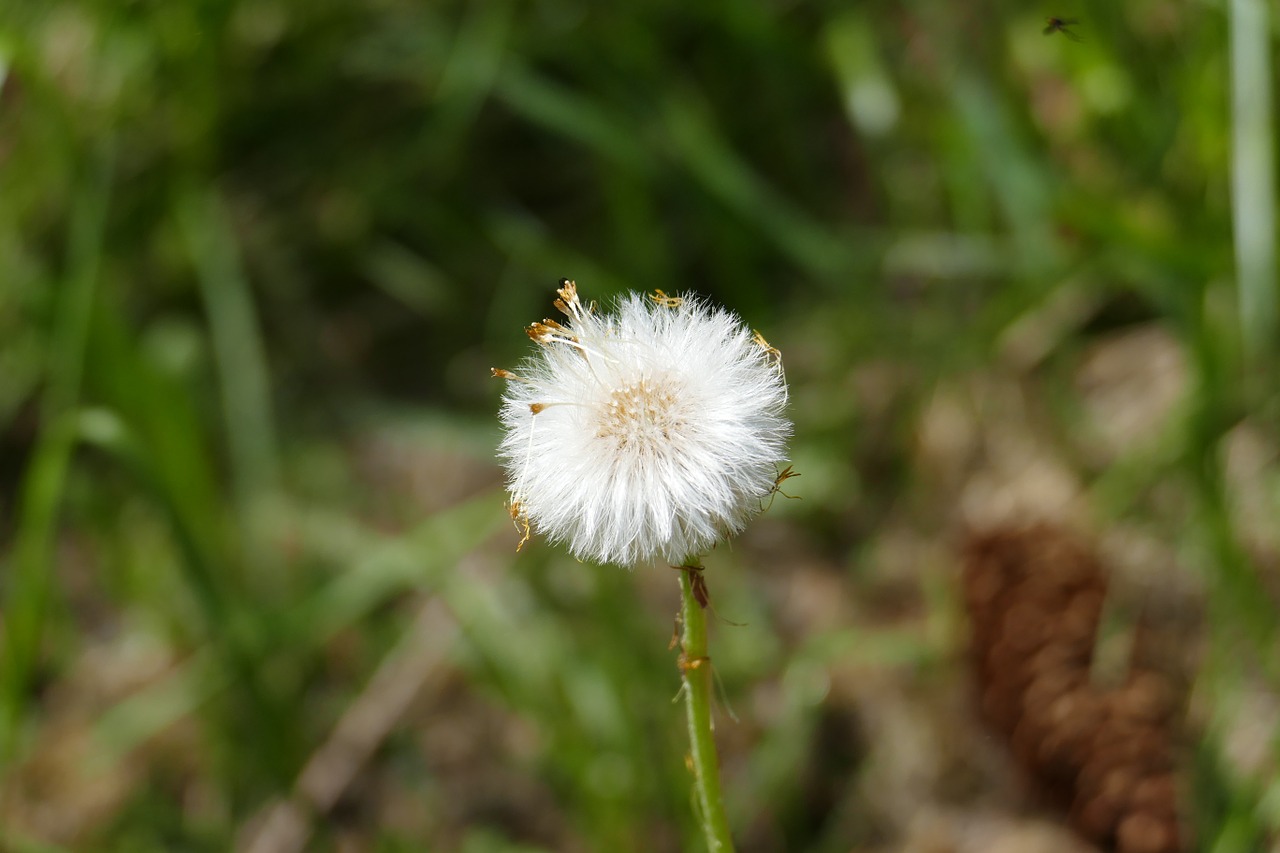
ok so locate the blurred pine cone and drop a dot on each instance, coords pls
(1034, 596)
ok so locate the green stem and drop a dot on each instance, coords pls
(696, 671)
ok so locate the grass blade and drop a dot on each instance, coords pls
(31, 571)
(1253, 173)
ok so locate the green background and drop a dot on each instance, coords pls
(257, 258)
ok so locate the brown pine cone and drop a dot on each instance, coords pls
(1035, 597)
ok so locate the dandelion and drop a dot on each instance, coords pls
(648, 433)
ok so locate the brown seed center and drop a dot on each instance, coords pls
(642, 413)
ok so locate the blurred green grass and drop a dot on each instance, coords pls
(257, 259)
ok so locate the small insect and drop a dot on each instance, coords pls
(775, 490)
(697, 582)
(1062, 25)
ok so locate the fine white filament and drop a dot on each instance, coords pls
(651, 432)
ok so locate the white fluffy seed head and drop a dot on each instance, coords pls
(652, 432)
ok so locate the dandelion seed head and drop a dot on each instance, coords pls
(647, 433)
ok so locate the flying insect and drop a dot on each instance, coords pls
(1062, 25)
